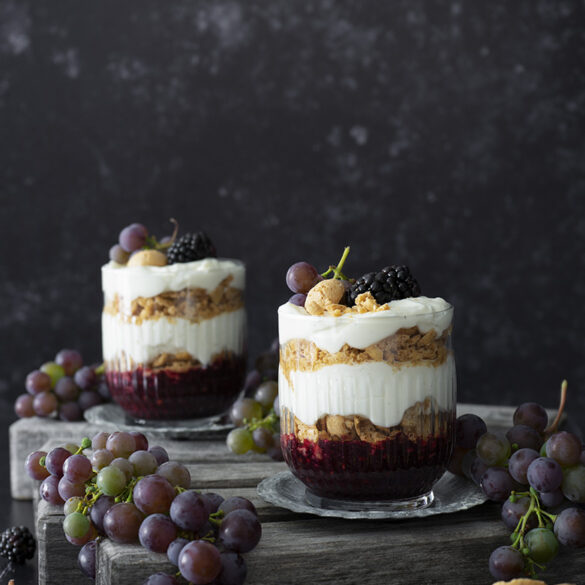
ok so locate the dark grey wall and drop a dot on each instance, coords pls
(445, 135)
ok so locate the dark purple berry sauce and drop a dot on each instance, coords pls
(396, 468)
(165, 394)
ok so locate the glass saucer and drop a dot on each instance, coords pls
(112, 416)
(451, 494)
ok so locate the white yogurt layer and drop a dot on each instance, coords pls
(143, 342)
(374, 390)
(131, 282)
(360, 330)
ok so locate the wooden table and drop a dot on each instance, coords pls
(451, 549)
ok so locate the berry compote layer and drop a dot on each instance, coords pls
(396, 468)
(166, 393)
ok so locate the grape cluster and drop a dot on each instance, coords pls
(256, 415)
(116, 486)
(538, 473)
(63, 388)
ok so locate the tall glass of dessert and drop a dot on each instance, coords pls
(174, 336)
(367, 396)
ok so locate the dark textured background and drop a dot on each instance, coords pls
(445, 135)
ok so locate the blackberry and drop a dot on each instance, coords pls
(17, 544)
(389, 284)
(191, 247)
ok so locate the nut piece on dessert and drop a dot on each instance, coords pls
(147, 258)
(323, 294)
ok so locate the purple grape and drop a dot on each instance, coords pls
(66, 389)
(142, 463)
(468, 429)
(176, 473)
(154, 494)
(85, 378)
(573, 485)
(156, 533)
(140, 440)
(506, 563)
(125, 466)
(86, 558)
(99, 440)
(133, 237)
(98, 511)
(301, 277)
(199, 562)
(160, 453)
(37, 382)
(88, 399)
(237, 503)
(104, 391)
(524, 437)
(212, 501)
(298, 299)
(68, 489)
(519, 462)
(565, 448)
(23, 406)
(49, 491)
(245, 408)
(240, 531)
(266, 393)
(70, 412)
(569, 527)
(101, 458)
(70, 360)
(262, 438)
(55, 459)
(531, 414)
(233, 569)
(253, 380)
(512, 512)
(33, 465)
(544, 474)
(497, 484)
(45, 404)
(189, 511)
(551, 499)
(174, 549)
(121, 444)
(118, 254)
(122, 522)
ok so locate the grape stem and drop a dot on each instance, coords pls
(552, 428)
(336, 270)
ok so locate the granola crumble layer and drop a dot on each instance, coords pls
(421, 420)
(193, 304)
(405, 347)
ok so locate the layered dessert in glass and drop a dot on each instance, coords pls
(174, 335)
(367, 395)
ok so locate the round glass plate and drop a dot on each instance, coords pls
(452, 494)
(111, 415)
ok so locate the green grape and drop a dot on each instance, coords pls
(573, 485)
(240, 441)
(542, 545)
(54, 371)
(71, 505)
(111, 480)
(493, 449)
(76, 525)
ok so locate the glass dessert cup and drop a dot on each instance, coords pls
(368, 403)
(174, 337)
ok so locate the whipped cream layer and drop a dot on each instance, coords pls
(372, 389)
(130, 282)
(143, 342)
(361, 330)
